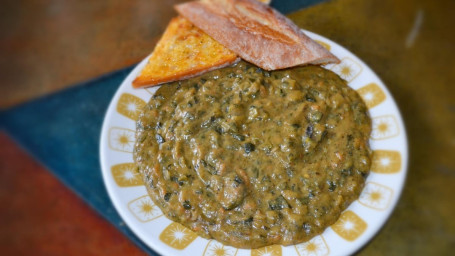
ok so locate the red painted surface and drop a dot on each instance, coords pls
(40, 216)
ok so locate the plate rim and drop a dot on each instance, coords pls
(159, 248)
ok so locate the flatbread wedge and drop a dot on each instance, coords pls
(256, 32)
(184, 51)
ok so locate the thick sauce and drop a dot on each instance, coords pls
(252, 158)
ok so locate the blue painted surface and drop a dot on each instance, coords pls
(62, 131)
(287, 6)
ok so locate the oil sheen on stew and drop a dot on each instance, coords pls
(253, 158)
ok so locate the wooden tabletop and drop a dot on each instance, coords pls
(46, 46)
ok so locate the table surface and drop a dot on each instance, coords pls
(48, 45)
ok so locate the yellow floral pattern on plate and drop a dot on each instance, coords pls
(272, 250)
(386, 161)
(177, 236)
(144, 209)
(126, 175)
(372, 94)
(347, 69)
(325, 45)
(215, 248)
(130, 106)
(315, 247)
(376, 196)
(121, 139)
(349, 226)
(384, 127)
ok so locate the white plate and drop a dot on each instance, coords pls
(356, 226)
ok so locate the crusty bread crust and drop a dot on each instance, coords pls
(184, 51)
(185, 74)
(256, 32)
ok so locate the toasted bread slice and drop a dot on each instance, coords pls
(256, 32)
(183, 51)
